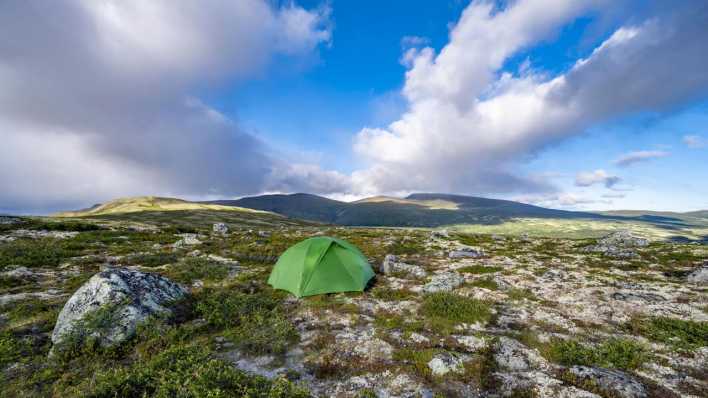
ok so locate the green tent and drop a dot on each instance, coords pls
(321, 265)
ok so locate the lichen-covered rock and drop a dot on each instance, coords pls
(444, 282)
(512, 355)
(128, 296)
(607, 382)
(444, 363)
(391, 265)
(466, 252)
(220, 228)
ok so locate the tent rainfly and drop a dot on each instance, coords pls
(321, 265)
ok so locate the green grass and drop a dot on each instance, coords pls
(678, 333)
(452, 308)
(518, 294)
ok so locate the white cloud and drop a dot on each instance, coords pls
(468, 126)
(695, 141)
(631, 158)
(96, 97)
(588, 178)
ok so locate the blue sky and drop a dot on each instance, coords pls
(532, 100)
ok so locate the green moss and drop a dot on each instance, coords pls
(678, 333)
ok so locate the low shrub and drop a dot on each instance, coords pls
(614, 353)
(455, 308)
(678, 333)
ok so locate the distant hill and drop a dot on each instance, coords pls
(421, 209)
(145, 203)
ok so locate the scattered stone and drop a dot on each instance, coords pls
(444, 363)
(498, 238)
(466, 252)
(444, 282)
(220, 228)
(471, 343)
(187, 240)
(608, 382)
(129, 296)
(264, 234)
(699, 275)
(418, 338)
(28, 233)
(47, 295)
(391, 265)
(440, 234)
(618, 244)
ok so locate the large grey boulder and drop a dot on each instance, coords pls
(124, 297)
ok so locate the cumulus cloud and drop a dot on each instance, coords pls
(588, 178)
(97, 97)
(695, 141)
(468, 124)
(631, 158)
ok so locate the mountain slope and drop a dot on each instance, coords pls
(423, 210)
(146, 203)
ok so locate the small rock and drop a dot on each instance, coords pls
(466, 251)
(187, 240)
(609, 382)
(440, 233)
(471, 343)
(419, 338)
(698, 275)
(264, 234)
(512, 355)
(220, 228)
(391, 265)
(444, 363)
(444, 282)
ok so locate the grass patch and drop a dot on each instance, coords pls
(479, 269)
(452, 308)
(518, 294)
(388, 294)
(614, 353)
(255, 322)
(193, 268)
(34, 253)
(684, 335)
(152, 260)
(486, 283)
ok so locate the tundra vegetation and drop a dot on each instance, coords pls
(532, 317)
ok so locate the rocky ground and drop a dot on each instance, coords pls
(121, 308)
